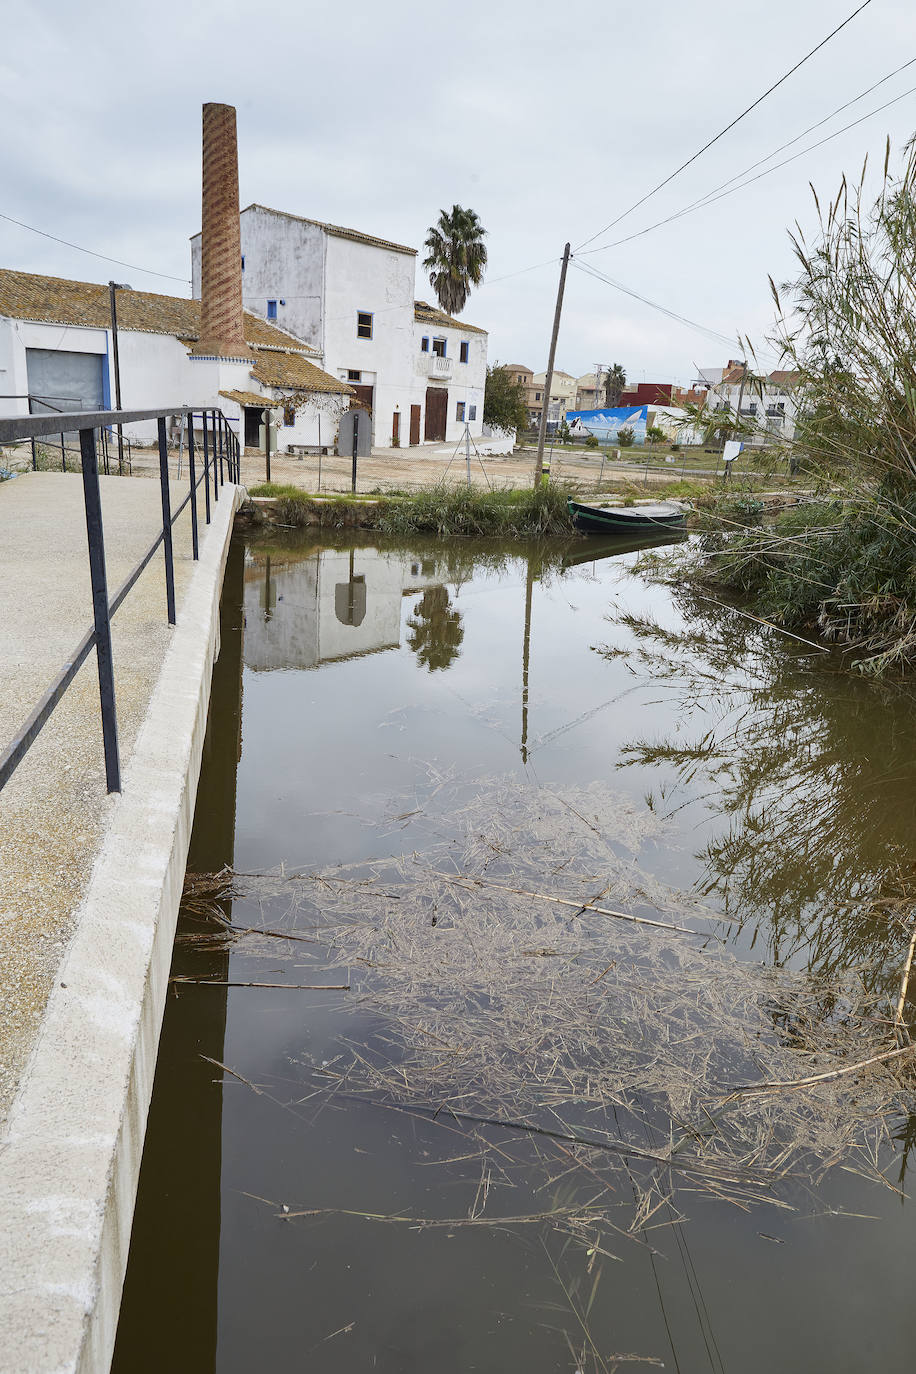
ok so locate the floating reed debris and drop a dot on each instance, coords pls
(495, 997)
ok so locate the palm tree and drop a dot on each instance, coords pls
(614, 385)
(456, 257)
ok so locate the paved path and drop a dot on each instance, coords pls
(54, 808)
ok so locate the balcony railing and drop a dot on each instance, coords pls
(220, 462)
(440, 368)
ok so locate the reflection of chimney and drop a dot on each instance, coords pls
(221, 324)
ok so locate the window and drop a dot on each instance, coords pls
(439, 347)
(289, 415)
(463, 351)
(537, 395)
(353, 374)
(424, 345)
(271, 310)
(459, 411)
(243, 262)
(363, 324)
(472, 412)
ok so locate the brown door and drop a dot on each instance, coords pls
(436, 413)
(414, 424)
(363, 397)
(396, 429)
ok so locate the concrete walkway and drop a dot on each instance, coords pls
(78, 1009)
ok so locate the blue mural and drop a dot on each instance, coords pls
(604, 424)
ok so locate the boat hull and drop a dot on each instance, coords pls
(595, 520)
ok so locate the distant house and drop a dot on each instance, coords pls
(562, 397)
(56, 353)
(350, 296)
(768, 400)
(590, 391)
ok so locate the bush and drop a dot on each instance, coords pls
(655, 435)
(591, 441)
(626, 437)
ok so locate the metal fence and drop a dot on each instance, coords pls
(220, 463)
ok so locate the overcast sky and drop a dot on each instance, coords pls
(548, 120)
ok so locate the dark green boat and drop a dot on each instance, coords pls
(627, 520)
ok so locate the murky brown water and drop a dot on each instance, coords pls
(367, 702)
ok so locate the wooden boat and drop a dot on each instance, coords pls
(626, 520)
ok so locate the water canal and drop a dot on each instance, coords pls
(514, 1143)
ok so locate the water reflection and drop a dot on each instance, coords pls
(810, 775)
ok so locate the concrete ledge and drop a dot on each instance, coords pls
(70, 1158)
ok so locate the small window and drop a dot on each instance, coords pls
(472, 412)
(353, 375)
(463, 351)
(363, 324)
(537, 395)
(424, 345)
(439, 347)
(459, 411)
(289, 415)
(271, 310)
(243, 262)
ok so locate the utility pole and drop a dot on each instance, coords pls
(548, 380)
(599, 368)
(113, 288)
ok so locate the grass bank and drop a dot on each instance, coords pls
(440, 511)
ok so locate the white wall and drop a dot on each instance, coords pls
(284, 262)
(379, 281)
(466, 382)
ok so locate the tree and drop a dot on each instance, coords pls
(505, 404)
(614, 385)
(455, 257)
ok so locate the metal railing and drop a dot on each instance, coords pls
(221, 463)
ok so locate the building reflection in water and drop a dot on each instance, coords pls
(331, 605)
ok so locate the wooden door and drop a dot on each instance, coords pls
(414, 424)
(436, 413)
(363, 398)
(396, 429)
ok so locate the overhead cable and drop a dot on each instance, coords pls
(722, 132)
(103, 256)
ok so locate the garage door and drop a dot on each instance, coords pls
(64, 381)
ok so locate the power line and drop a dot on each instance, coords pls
(103, 256)
(712, 196)
(728, 127)
(591, 271)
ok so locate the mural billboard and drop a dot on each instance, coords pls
(604, 424)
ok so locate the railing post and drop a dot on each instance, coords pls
(194, 544)
(94, 533)
(203, 417)
(166, 521)
(219, 419)
(63, 455)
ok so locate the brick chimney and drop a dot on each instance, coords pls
(221, 323)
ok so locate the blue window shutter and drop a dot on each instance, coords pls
(271, 310)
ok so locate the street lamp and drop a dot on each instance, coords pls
(113, 287)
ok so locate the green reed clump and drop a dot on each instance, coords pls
(460, 510)
(847, 569)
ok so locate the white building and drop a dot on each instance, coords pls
(56, 352)
(563, 389)
(350, 297)
(766, 400)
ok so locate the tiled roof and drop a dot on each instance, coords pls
(56, 300)
(292, 372)
(429, 314)
(250, 398)
(336, 230)
(515, 367)
(786, 379)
